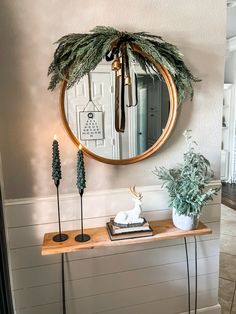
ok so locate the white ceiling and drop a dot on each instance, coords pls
(231, 19)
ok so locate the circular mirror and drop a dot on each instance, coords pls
(120, 123)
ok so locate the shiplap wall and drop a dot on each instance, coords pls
(145, 278)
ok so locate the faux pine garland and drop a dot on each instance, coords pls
(78, 54)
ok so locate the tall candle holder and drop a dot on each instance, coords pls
(56, 175)
(81, 185)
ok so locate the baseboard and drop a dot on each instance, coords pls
(215, 309)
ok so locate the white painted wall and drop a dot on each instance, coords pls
(105, 280)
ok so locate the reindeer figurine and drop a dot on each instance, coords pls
(131, 216)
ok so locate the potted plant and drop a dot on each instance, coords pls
(186, 185)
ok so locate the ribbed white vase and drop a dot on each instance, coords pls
(185, 222)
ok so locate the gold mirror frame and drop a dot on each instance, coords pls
(161, 140)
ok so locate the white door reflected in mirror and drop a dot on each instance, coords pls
(90, 112)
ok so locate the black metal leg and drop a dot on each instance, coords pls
(63, 284)
(187, 263)
(195, 240)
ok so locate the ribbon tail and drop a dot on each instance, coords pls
(128, 80)
(117, 102)
(122, 123)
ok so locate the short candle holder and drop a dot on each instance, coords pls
(60, 237)
(82, 238)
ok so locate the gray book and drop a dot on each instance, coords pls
(128, 235)
(116, 229)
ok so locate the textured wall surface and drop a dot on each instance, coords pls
(30, 114)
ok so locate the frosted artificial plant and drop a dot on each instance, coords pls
(186, 183)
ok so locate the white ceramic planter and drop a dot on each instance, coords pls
(185, 222)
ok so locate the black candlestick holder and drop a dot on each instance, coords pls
(60, 237)
(82, 237)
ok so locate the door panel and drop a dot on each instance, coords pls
(102, 97)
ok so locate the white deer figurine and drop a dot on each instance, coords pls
(131, 216)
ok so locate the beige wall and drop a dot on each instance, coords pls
(30, 114)
(129, 279)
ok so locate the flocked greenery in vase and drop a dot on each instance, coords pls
(186, 185)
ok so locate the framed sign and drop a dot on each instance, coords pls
(91, 125)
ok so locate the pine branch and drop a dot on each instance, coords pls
(78, 54)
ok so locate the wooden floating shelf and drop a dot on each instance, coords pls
(162, 230)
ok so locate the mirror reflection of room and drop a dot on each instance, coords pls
(90, 112)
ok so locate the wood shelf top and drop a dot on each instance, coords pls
(162, 230)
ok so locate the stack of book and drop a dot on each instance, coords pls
(121, 232)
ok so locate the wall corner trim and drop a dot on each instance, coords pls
(231, 44)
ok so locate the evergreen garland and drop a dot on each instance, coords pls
(56, 163)
(187, 183)
(78, 54)
(81, 181)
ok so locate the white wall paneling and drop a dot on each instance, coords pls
(127, 278)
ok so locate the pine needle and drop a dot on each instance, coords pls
(78, 54)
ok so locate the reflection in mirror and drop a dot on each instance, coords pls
(90, 112)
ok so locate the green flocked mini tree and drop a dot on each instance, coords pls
(56, 163)
(81, 181)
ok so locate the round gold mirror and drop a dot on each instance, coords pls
(120, 135)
